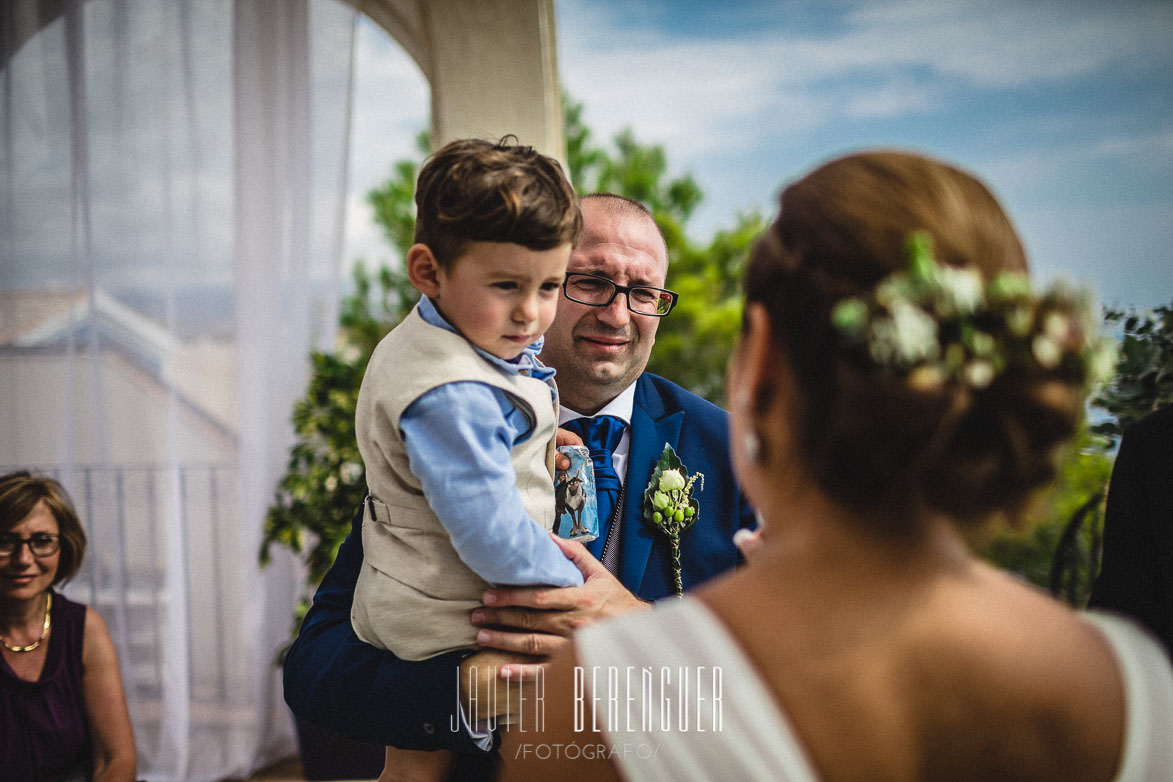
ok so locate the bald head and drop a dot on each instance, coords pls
(624, 209)
(599, 351)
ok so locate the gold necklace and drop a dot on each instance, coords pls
(44, 630)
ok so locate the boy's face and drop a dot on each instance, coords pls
(502, 296)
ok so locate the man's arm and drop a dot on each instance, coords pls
(335, 680)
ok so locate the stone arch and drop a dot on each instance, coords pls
(491, 64)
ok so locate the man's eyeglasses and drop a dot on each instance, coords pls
(596, 291)
(42, 544)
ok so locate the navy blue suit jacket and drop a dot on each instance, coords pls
(1137, 572)
(335, 680)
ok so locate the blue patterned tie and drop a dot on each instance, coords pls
(601, 435)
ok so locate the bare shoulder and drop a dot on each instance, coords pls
(1034, 633)
(1039, 682)
(97, 644)
(95, 624)
(972, 675)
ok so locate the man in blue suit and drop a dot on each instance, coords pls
(1136, 577)
(600, 350)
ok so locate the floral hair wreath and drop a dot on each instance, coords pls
(935, 324)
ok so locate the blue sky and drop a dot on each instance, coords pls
(1064, 108)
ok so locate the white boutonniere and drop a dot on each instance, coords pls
(669, 506)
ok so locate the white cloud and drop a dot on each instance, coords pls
(1153, 148)
(743, 109)
(391, 106)
(1042, 168)
(1012, 44)
(391, 99)
(1123, 249)
(364, 238)
(692, 92)
(891, 99)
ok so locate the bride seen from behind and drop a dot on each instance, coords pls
(880, 408)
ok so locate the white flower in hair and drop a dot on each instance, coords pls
(961, 289)
(979, 374)
(934, 324)
(913, 334)
(1046, 351)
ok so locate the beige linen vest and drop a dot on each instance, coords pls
(414, 593)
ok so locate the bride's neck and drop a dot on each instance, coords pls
(803, 526)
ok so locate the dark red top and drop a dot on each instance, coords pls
(44, 734)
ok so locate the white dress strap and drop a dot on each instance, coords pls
(1148, 692)
(721, 721)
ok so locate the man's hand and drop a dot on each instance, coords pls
(543, 618)
(748, 541)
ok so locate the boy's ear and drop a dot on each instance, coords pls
(423, 270)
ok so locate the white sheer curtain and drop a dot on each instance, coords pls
(173, 181)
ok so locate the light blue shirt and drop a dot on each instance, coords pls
(459, 438)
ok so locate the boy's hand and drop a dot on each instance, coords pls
(539, 620)
(564, 437)
(477, 672)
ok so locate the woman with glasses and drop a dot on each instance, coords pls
(63, 713)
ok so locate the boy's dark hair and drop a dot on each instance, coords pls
(474, 190)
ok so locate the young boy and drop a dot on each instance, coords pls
(456, 416)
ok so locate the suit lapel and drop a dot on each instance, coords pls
(651, 428)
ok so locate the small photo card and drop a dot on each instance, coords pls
(576, 511)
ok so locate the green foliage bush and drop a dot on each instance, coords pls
(1030, 551)
(1059, 547)
(1144, 377)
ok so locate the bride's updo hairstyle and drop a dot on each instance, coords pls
(876, 443)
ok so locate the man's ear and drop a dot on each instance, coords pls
(423, 270)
